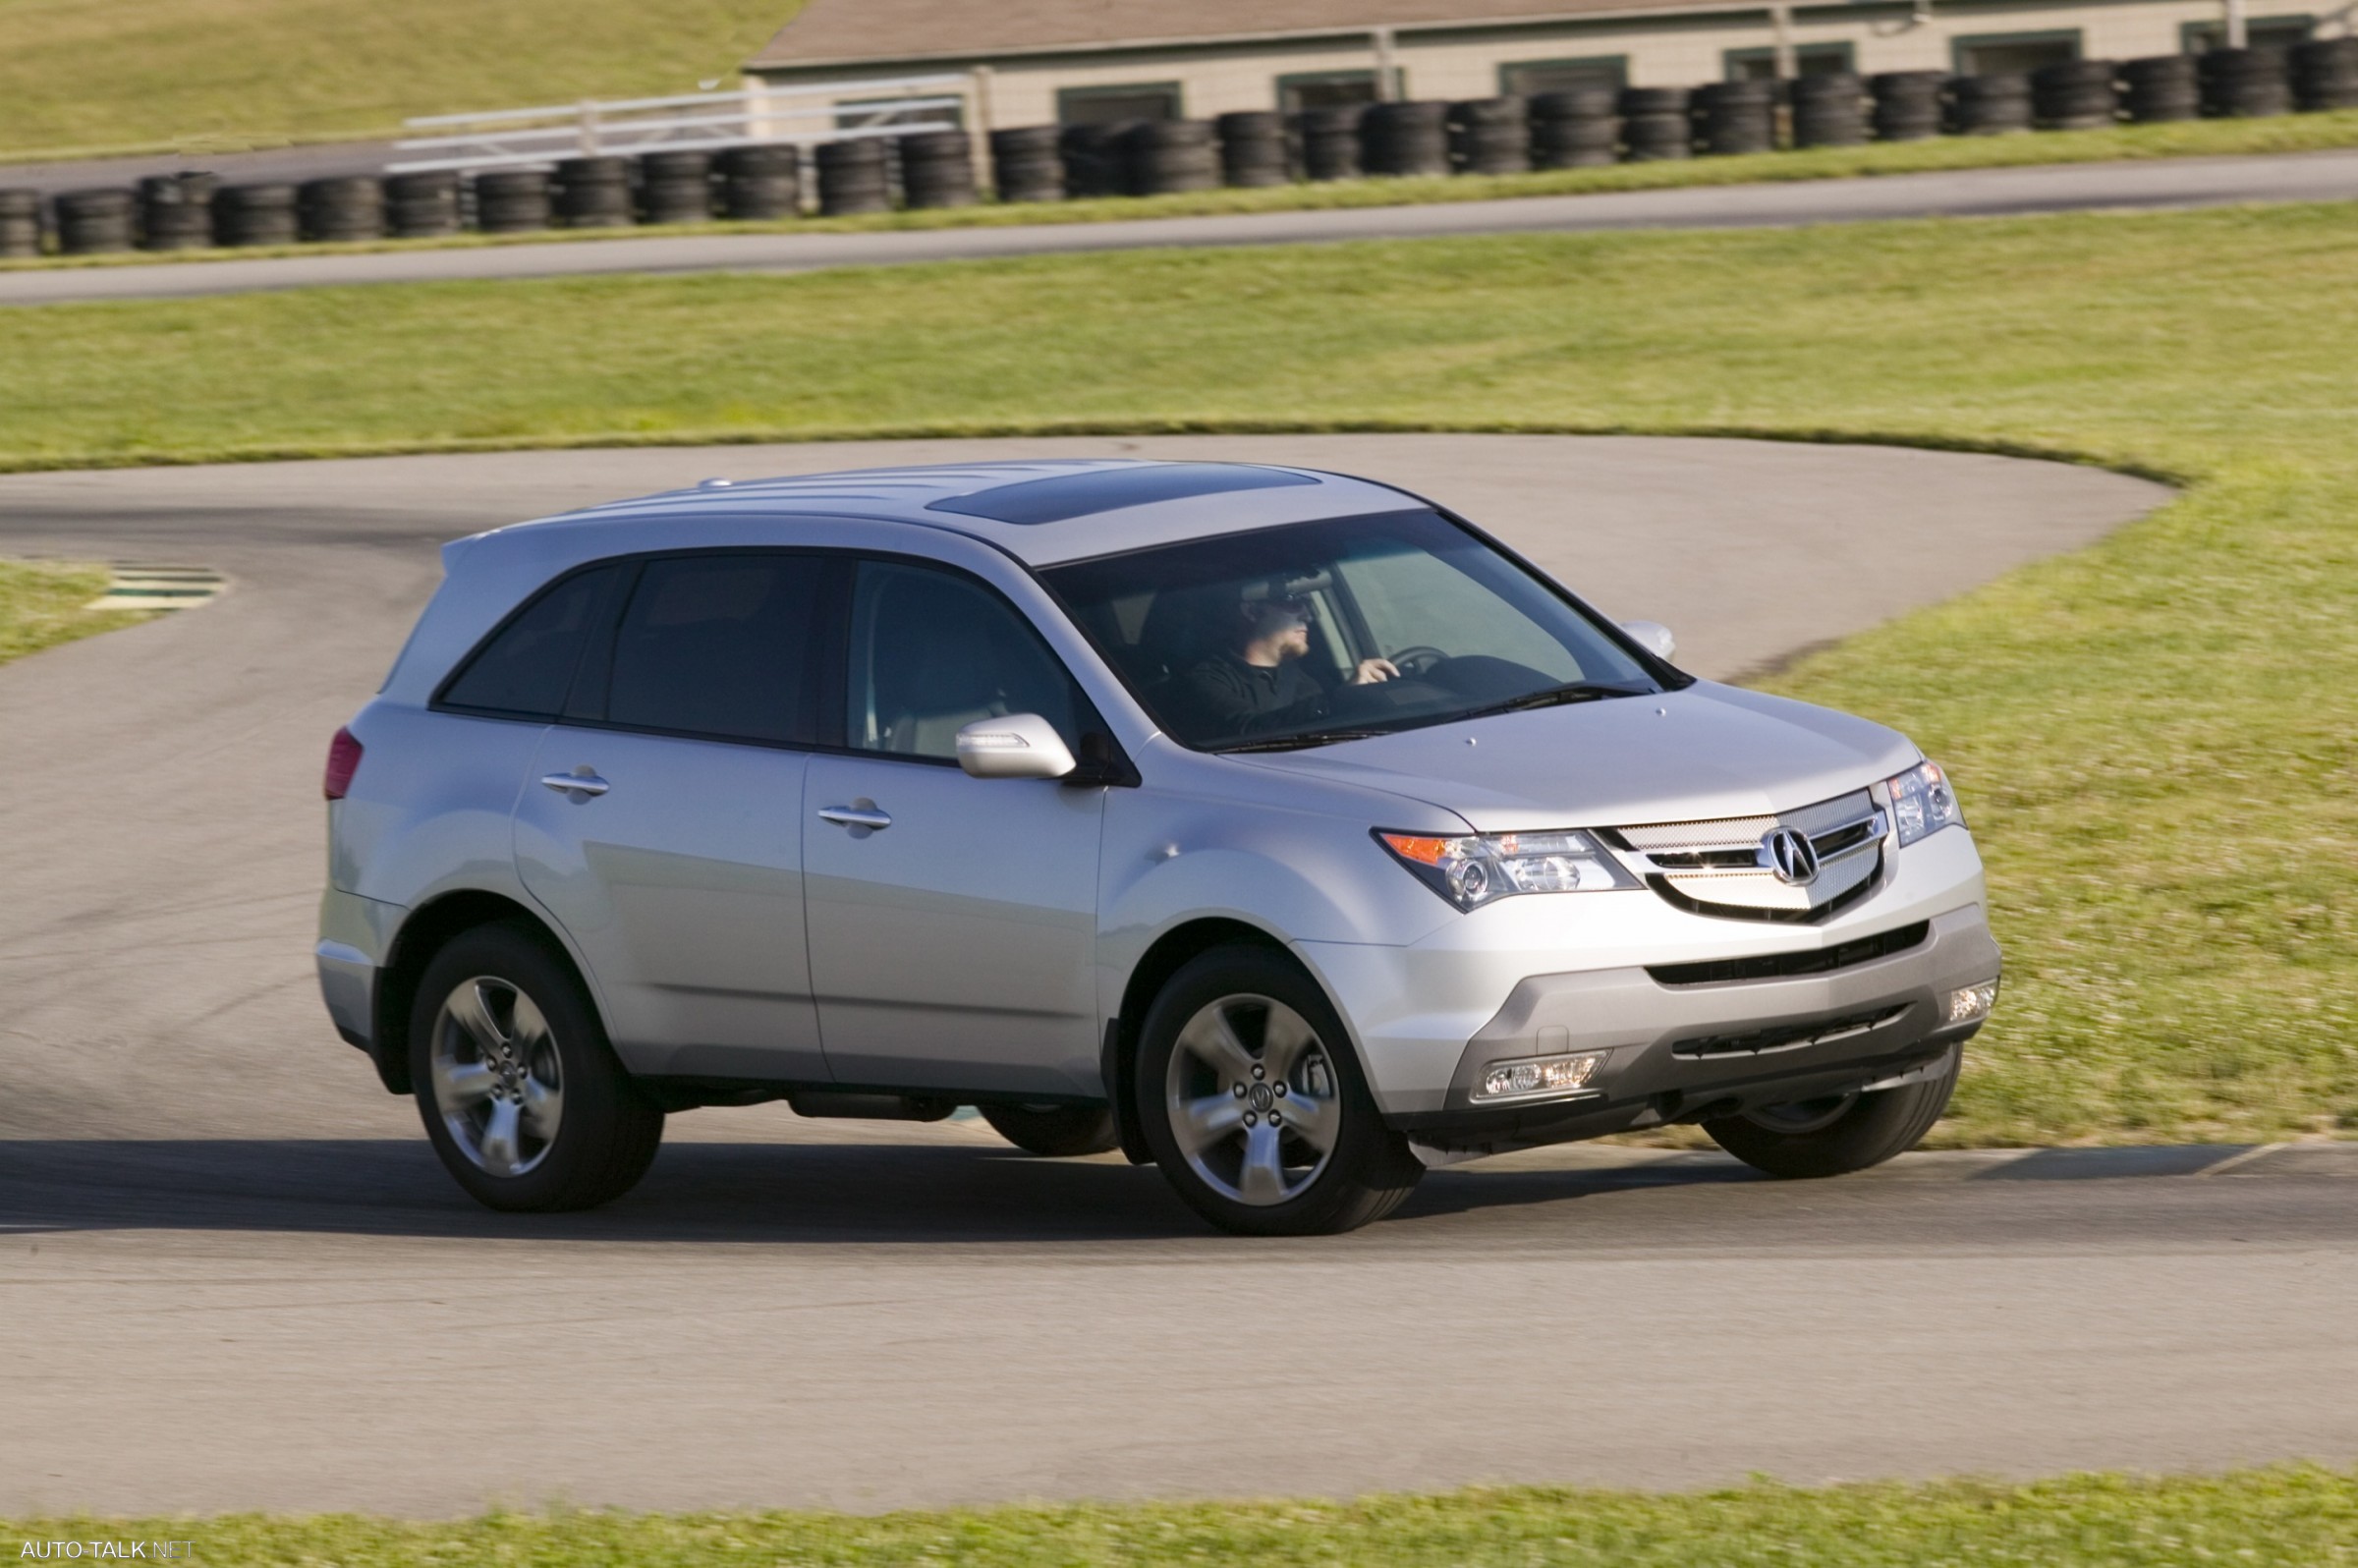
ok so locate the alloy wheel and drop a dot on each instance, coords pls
(1254, 1101)
(497, 1082)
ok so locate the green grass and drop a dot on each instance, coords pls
(2308, 132)
(2157, 739)
(2301, 1516)
(43, 603)
(217, 75)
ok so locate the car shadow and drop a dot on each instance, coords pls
(832, 1192)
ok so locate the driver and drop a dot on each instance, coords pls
(1256, 681)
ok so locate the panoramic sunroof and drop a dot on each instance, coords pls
(1071, 495)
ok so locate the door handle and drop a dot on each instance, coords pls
(867, 816)
(573, 783)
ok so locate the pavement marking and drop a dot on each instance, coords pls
(155, 586)
(2241, 1157)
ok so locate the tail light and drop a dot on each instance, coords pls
(343, 760)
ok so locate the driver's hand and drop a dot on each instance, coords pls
(1370, 671)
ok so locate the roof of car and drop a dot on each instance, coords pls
(1043, 512)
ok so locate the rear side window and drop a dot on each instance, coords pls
(526, 668)
(720, 645)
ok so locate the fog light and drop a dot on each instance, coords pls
(1973, 1001)
(1537, 1075)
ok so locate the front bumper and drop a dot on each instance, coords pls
(1681, 1053)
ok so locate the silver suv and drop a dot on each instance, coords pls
(1277, 827)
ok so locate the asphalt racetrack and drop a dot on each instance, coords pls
(234, 1275)
(1971, 192)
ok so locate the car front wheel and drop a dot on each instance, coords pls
(519, 1091)
(1253, 1106)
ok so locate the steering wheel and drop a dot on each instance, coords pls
(1418, 660)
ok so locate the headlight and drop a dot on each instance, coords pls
(1484, 868)
(1922, 802)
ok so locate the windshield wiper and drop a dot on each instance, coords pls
(1296, 742)
(1555, 696)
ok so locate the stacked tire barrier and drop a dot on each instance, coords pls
(1988, 106)
(1574, 128)
(1490, 135)
(176, 212)
(2241, 82)
(1025, 164)
(95, 222)
(761, 182)
(1829, 110)
(1907, 105)
(1093, 161)
(593, 192)
(853, 178)
(20, 224)
(255, 214)
(1579, 128)
(938, 169)
(1403, 141)
(1653, 123)
(1253, 152)
(2324, 74)
(512, 200)
(2160, 90)
(422, 205)
(1164, 157)
(2075, 95)
(341, 209)
(675, 187)
(1329, 141)
(1732, 118)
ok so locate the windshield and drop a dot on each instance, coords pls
(1330, 631)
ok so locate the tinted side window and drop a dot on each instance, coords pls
(719, 646)
(932, 651)
(527, 667)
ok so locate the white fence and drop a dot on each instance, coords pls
(788, 116)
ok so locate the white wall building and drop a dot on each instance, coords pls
(1037, 61)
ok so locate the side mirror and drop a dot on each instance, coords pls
(1653, 636)
(1019, 746)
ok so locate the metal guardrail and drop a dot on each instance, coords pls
(845, 111)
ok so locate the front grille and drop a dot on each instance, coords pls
(1725, 867)
(1780, 966)
(1786, 1036)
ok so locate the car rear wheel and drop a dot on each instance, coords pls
(1057, 1130)
(519, 1091)
(1253, 1106)
(1838, 1133)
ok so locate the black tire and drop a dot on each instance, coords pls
(1365, 1170)
(1059, 1131)
(1831, 1137)
(606, 1131)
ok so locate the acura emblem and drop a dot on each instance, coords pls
(1791, 855)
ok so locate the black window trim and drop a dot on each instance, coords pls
(584, 709)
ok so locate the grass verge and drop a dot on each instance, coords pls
(2305, 1516)
(2308, 132)
(107, 73)
(43, 603)
(2157, 739)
